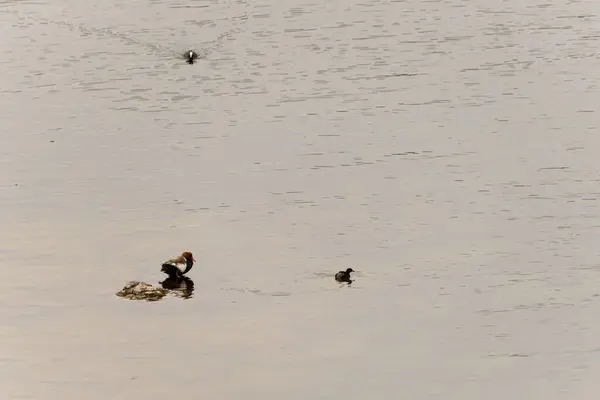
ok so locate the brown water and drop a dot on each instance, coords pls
(446, 150)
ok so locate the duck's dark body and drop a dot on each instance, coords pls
(172, 271)
(183, 287)
(344, 276)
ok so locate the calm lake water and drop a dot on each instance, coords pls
(445, 150)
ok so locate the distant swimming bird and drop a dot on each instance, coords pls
(190, 56)
(344, 276)
(178, 266)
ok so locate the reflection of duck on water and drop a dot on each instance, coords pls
(180, 286)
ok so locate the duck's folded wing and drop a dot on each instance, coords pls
(170, 269)
(176, 260)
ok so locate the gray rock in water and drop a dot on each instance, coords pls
(142, 291)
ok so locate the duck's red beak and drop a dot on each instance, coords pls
(193, 259)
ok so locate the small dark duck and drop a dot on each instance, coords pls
(190, 56)
(344, 276)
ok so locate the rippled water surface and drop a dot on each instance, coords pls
(445, 150)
